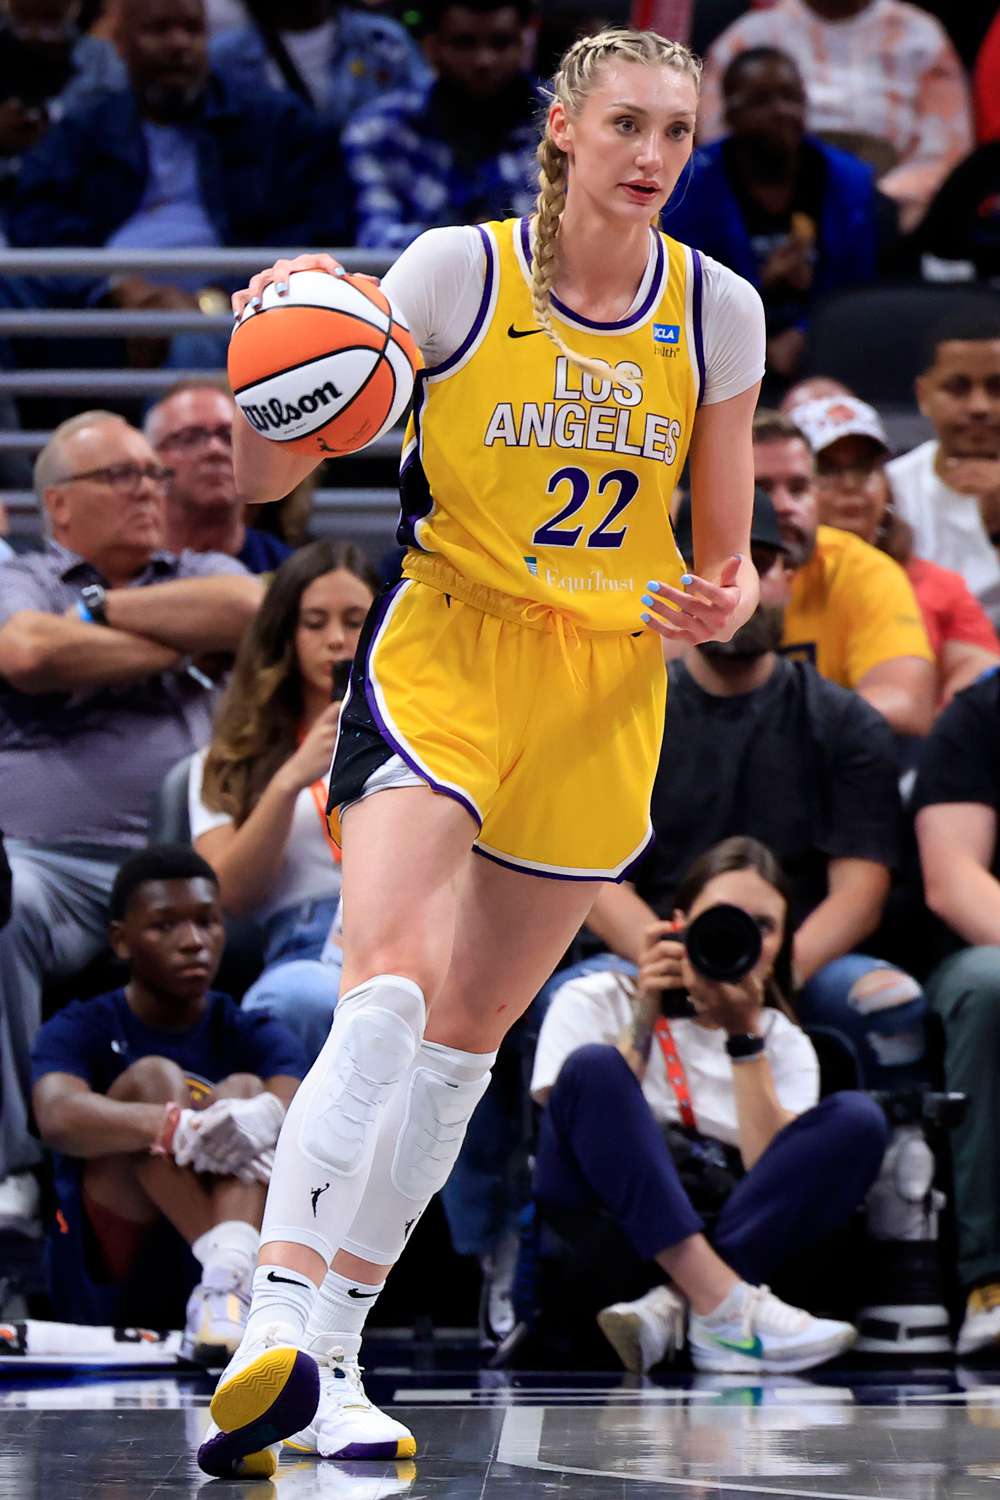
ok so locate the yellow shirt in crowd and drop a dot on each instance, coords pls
(851, 609)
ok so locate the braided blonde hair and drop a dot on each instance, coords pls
(571, 84)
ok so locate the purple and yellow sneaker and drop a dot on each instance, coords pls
(346, 1425)
(269, 1389)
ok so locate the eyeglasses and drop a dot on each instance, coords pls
(197, 437)
(124, 478)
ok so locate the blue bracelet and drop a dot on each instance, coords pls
(84, 612)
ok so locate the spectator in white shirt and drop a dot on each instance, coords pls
(716, 1116)
(948, 489)
(257, 796)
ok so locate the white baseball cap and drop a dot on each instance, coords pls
(822, 422)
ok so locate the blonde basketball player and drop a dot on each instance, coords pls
(499, 741)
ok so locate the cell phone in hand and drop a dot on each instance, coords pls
(340, 678)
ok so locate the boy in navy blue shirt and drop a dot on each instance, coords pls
(162, 1102)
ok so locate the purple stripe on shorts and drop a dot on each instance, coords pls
(652, 296)
(512, 864)
(699, 343)
(383, 728)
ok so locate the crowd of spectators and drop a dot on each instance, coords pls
(832, 769)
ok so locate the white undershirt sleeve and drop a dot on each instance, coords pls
(733, 333)
(437, 284)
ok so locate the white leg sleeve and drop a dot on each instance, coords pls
(324, 1153)
(421, 1133)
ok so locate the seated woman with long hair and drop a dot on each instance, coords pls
(257, 795)
(677, 1108)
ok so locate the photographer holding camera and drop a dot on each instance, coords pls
(722, 1162)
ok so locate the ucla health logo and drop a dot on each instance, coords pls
(666, 333)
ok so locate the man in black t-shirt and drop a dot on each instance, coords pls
(762, 746)
(957, 803)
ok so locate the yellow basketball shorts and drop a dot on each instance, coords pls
(549, 736)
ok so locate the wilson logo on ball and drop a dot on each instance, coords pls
(278, 414)
(326, 368)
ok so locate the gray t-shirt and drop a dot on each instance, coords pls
(82, 768)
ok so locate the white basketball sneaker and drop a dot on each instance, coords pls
(645, 1331)
(765, 1334)
(346, 1424)
(269, 1389)
(216, 1316)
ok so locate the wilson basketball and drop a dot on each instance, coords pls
(326, 368)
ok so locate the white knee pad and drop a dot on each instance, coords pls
(438, 1111)
(419, 1140)
(375, 1035)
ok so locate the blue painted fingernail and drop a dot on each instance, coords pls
(653, 586)
(687, 578)
(340, 271)
(647, 601)
(254, 302)
(644, 619)
(281, 287)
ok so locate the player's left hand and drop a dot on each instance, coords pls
(701, 611)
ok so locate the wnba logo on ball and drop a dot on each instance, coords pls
(274, 415)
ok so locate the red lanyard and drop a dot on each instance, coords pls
(675, 1072)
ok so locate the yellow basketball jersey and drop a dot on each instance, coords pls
(528, 476)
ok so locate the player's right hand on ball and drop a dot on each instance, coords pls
(279, 273)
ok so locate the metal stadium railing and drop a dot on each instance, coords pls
(367, 510)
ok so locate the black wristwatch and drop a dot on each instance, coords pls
(95, 602)
(743, 1047)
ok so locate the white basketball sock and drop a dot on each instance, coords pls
(324, 1153)
(280, 1295)
(340, 1310)
(420, 1135)
(233, 1244)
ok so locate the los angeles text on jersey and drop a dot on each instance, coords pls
(605, 424)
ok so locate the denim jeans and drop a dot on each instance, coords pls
(874, 1012)
(296, 987)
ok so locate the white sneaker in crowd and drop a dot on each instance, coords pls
(217, 1313)
(755, 1330)
(981, 1325)
(496, 1306)
(19, 1205)
(346, 1424)
(645, 1331)
(269, 1389)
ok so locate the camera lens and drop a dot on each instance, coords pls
(723, 943)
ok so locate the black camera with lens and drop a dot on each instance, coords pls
(723, 943)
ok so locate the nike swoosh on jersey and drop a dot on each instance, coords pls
(522, 333)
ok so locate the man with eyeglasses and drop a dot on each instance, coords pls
(192, 432)
(852, 610)
(100, 694)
